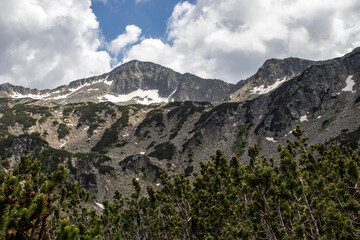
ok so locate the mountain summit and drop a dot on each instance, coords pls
(134, 81)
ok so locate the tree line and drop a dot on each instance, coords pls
(311, 193)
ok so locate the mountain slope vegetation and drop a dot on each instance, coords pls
(312, 193)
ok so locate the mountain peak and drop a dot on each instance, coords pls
(270, 75)
(133, 82)
(140, 65)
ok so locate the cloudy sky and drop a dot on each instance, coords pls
(46, 43)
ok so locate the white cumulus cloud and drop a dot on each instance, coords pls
(130, 36)
(46, 43)
(230, 39)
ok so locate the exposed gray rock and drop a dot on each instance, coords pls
(140, 165)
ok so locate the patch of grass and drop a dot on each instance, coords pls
(4, 104)
(91, 129)
(173, 104)
(110, 112)
(182, 112)
(151, 145)
(34, 109)
(89, 114)
(121, 144)
(63, 130)
(44, 111)
(165, 150)
(90, 111)
(241, 140)
(153, 118)
(110, 137)
(8, 118)
(42, 120)
(19, 107)
(146, 134)
(216, 115)
(25, 120)
(66, 112)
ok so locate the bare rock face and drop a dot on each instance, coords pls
(314, 92)
(141, 166)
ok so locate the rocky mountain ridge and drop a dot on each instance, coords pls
(132, 82)
(105, 145)
(270, 75)
(147, 83)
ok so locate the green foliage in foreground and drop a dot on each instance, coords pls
(312, 193)
(34, 206)
(239, 145)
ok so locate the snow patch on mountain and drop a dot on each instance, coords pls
(100, 205)
(263, 90)
(172, 93)
(33, 96)
(303, 118)
(145, 97)
(59, 94)
(107, 82)
(93, 89)
(350, 83)
(72, 90)
(270, 139)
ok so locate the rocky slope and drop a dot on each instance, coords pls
(105, 145)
